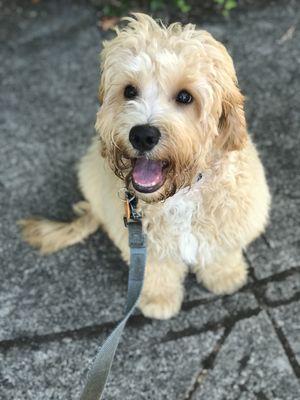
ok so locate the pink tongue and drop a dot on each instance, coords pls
(147, 173)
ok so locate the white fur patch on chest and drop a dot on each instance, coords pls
(179, 211)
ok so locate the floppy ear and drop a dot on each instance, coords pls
(232, 124)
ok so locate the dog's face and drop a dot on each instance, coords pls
(170, 106)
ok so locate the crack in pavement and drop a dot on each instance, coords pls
(280, 276)
(139, 320)
(75, 334)
(265, 304)
(287, 348)
(209, 362)
(225, 322)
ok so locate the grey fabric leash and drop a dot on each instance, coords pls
(101, 366)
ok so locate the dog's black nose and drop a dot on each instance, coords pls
(144, 137)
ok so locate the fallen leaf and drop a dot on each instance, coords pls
(288, 35)
(107, 23)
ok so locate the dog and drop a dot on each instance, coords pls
(171, 129)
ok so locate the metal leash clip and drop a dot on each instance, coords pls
(131, 213)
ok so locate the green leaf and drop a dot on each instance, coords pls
(183, 6)
(156, 5)
(230, 4)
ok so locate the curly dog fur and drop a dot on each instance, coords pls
(202, 225)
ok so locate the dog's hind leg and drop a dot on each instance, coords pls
(50, 236)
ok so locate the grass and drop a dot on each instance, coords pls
(121, 7)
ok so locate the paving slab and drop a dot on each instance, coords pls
(267, 261)
(279, 292)
(250, 365)
(89, 296)
(287, 318)
(55, 310)
(141, 370)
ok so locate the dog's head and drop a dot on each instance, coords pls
(170, 105)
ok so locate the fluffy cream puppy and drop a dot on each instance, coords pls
(172, 130)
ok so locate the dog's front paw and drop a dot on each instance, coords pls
(223, 280)
(162, 306)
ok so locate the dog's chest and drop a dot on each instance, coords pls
(172, 229)
(179, 213)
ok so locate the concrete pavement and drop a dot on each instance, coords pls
(55, 310)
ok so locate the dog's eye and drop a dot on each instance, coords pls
(130, 92)
(184, 97)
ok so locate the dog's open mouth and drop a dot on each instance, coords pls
(148, 175)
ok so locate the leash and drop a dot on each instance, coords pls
(100, 368)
